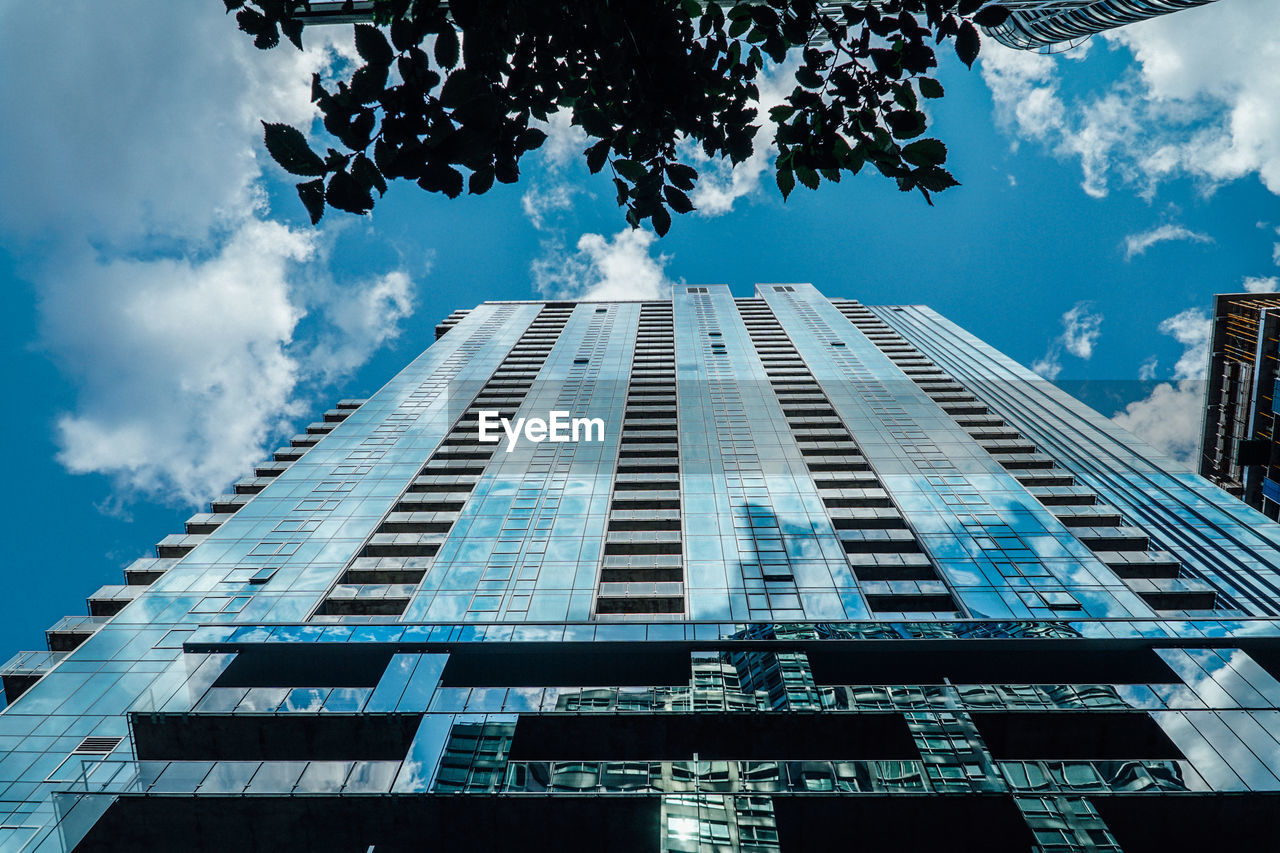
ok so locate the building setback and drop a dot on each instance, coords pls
(836, 577)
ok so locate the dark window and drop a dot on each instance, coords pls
(497, 665)
(988, 662)
(1073, 735)
(671, 737)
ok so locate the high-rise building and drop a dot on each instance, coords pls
(1050, 24)
(1238, 445)
(778, 573)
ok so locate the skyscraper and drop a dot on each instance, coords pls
(1238, 444)
(1048, 24)
(824, 576)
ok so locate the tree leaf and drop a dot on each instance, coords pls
(597, 155)
(292, 28)
(531, 138)
(786, 182)
(460, 87)
(679, 201)
(288, 147)
(372, 46)
(808, 78)
(906, 124)
(404, 34)
(905, 96)
(629, 169)
(312, 195)
(681, 175)
(925, 152)
(991, 16)
(345, 193)
(438, 177)
(661, 221)
(480, 181)
(369, 82)
(506, 171)
(935, 179)
(368, 174)
(447, 47)
(456, 120)
(968, 43)
(782, 112)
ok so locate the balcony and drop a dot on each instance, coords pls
(111, 599)
(70, 631)
(147, 570)
(179, 544)
(203, 522)
(24, 669)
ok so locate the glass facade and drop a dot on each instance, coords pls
(830, 575)
(1056, 24)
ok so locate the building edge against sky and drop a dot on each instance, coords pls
(828, 559)
(1054, 24)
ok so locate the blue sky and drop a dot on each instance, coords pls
(169, 317)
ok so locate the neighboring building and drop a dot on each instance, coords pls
(1050, 24)
(832, 577)
(1237, 447)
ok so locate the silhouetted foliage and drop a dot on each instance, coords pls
(450, 93)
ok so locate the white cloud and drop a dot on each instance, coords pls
(1025, 90)
(134, 196)
(1047, 367)
(361, 317)
(720, 182)
(1261, 284)
(1199, 101)
(185, 373)
(565, 141)
(539, 201)
(552, 192)
(1191, 328)
(156, 138)
(1170, 417)
(1147, 371)
(1137, 244)
(1081, 328)
(600, 268)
